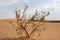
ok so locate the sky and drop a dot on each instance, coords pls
(7, 8)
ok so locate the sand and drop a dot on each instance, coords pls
(52, 31)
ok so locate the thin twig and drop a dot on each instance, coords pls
(36, 28)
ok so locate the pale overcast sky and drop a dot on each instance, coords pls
(7, 7)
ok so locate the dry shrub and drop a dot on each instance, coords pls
(22, 24)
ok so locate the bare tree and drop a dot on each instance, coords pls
(22, 24)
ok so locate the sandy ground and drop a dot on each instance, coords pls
(52, 31)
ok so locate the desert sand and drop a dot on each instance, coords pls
(52, 31)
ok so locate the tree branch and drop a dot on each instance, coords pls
(35, 29)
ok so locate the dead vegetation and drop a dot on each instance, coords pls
(22, 24)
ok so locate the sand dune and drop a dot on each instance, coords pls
(52, 31)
